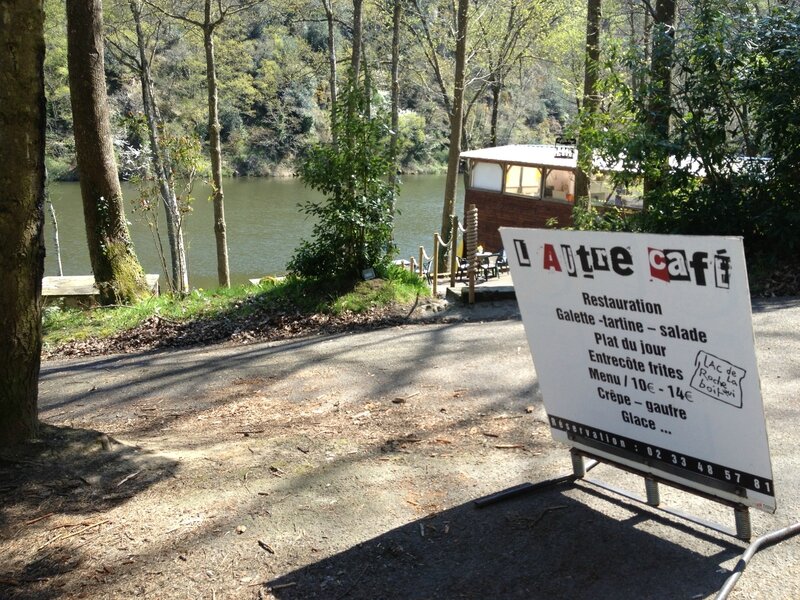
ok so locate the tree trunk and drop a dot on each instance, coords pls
(456, 121)
(660, 87)
(592, 64)
(215, 149)
(397, 14)
(56, 242)
(160, 161)
(496, 87)
(355, 59)
(591, 100)
(117, 271)
(22, 177)
(639, 38)
(332, 74)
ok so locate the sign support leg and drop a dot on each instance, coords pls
(651, 489)
(741, 515)
(578, 466)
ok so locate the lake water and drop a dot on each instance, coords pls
(264, 226)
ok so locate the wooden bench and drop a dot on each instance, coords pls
(80, 290)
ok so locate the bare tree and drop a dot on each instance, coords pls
(22, 179)
(332, 70)
(421, 29)
(506, 43)
(663, 36)
(456, 119)
(117, 271)
(591, 101)
(138, 55)
(212, 17)
(496, 46)
(397, 15)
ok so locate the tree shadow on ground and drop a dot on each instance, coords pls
(64, 472)
(540, 546)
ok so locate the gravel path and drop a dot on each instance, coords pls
(346, 466)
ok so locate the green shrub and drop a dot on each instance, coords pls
(354, 221)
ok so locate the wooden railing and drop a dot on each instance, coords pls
(428, 266)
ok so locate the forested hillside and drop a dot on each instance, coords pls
(275, 64)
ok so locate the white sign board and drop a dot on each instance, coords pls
(643, 347)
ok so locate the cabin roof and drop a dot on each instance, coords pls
(535, 155)
(554, 156)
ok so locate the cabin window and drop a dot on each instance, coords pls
(560, 185)
(487, 176)
(524, 181)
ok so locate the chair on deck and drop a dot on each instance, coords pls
(502, 262)
(462, 273)
(427, 270)
(489, 266)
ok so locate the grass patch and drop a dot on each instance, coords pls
(62, 325)
(289, 295)
(400, 286)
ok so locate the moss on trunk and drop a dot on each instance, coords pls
(127, 282)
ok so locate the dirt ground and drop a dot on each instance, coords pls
(331, 467)
(221, 494)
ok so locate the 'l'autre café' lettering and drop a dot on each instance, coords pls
(665, 265)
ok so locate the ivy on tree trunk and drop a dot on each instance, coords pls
(117, 272)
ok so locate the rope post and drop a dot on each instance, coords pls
(472, 244)
(421, 265)
(435, 264)
(453, 248)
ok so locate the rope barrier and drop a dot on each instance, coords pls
(417, 264)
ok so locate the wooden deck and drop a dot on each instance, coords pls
(80, 289)
(495, 288)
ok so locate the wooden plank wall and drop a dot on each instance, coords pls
(496, 210)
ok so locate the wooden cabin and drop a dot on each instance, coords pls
(534, 185)
(520, 186)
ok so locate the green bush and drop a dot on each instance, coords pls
(354, 221)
